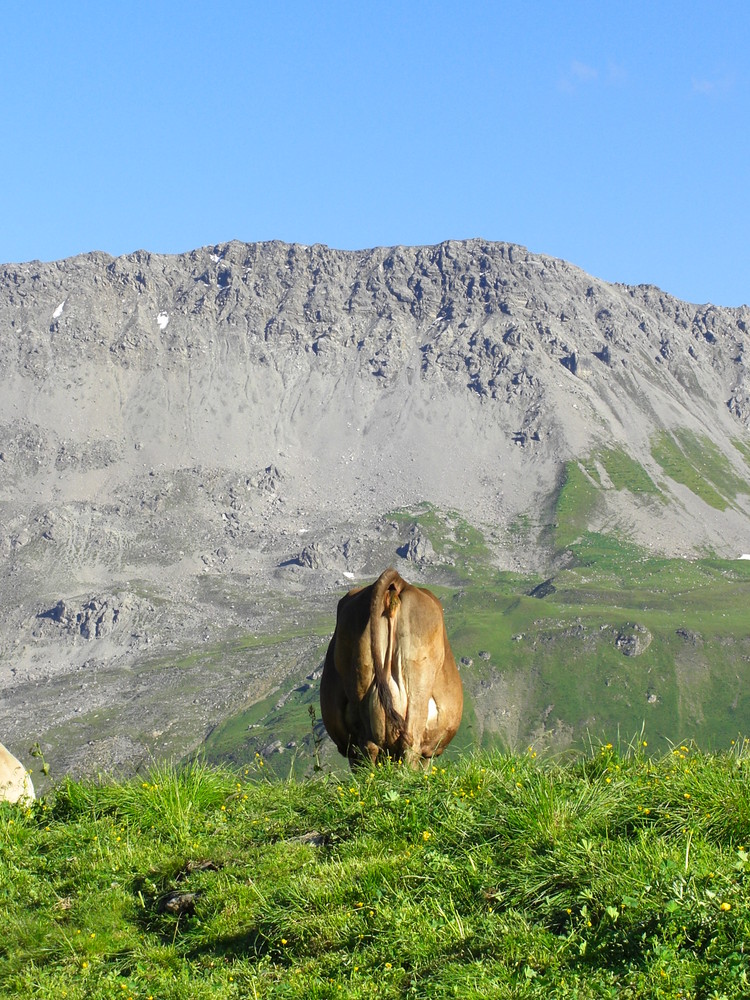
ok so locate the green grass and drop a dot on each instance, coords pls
(696, 462)
(688, 458)
(460, 546)
(622, 469)
(613, 874)
(241, 739)
(625, 473)
(557, 659)
(577, 499)
(581, 490)
(520, 530)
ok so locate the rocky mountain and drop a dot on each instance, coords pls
(193, 448)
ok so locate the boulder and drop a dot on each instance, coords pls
(633, 639)
(417, 548)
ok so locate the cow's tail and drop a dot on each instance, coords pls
(385, 603)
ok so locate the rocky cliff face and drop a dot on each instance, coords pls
(178, 434)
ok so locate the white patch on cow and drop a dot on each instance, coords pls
(432, 711)
(162, 319)
(397, 685)
(400, 700)
(58, 312)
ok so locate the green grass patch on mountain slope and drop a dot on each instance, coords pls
(619, 637)
(743, 447)
(615, 875)
(696, 462)
(625, 473)
(460, 547)
(593, 656)
(577, 499)
(609, 570)
(582, 491)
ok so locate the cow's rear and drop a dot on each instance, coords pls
(390, 682)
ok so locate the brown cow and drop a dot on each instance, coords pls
(15, 780)
(390, 683)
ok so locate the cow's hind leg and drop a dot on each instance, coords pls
(334, 705)
(365, 753)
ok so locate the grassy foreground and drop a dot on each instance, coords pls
(613, 875)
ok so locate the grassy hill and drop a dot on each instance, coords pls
(614, 874)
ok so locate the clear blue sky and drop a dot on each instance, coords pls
(615, 135)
